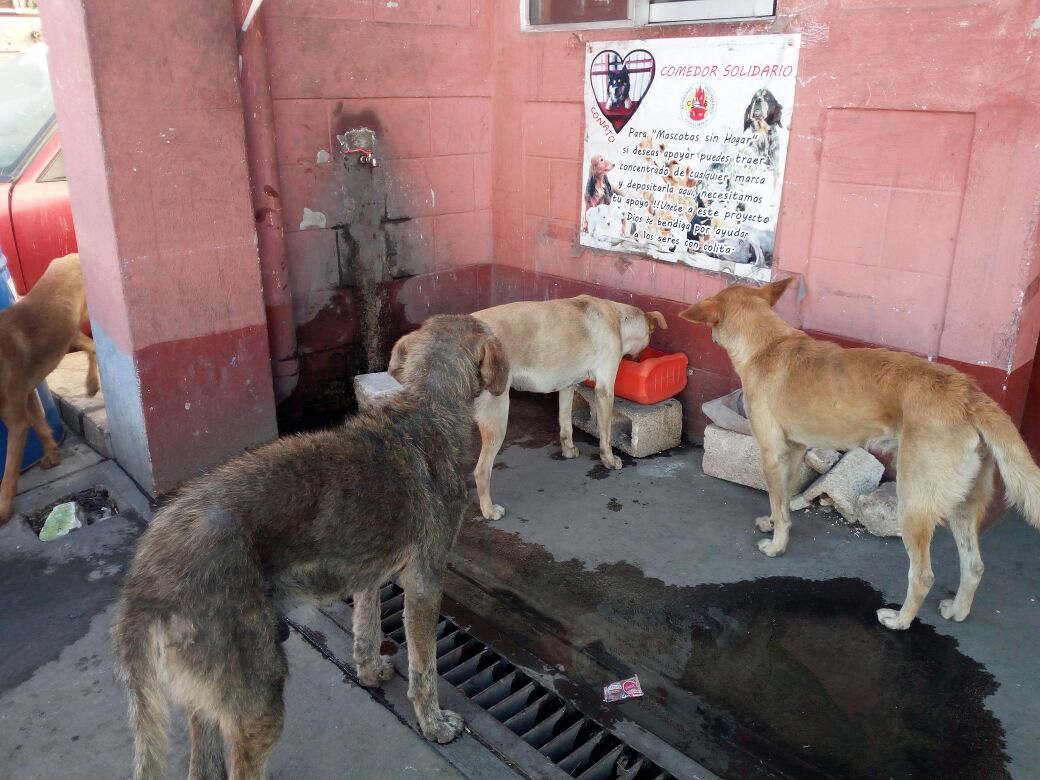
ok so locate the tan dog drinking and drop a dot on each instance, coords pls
(552, 346)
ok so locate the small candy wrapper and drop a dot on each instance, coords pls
(623, 689)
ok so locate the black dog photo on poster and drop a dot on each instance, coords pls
(763, 118)
(620, 84)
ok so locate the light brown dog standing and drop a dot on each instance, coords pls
(800, 392)
(35, 334)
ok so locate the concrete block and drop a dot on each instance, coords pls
(70, 415)
(373, 389)
(821, 460)
(858, 472)
(735, 457)
(96, 432)
(636, 429)
(878, 511)
(83, 414)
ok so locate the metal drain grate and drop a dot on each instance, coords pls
(571, 740)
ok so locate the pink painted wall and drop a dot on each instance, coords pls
(417, 73)
(152, 130)
(912, 183)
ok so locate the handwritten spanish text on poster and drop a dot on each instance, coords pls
(685, 144)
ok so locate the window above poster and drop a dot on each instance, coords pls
(548, 15)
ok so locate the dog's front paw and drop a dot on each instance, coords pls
(611, 461)
(949, 611)
(764, 523)
(771, 548)
(92, 386)
(374, 673)
(497, 512)
(570, 451)
(889, 618)
(50, 460)
(442, 728)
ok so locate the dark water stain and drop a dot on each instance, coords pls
(499, 467)
(774, 677)
(53, 592)
(599, 471)
(614, 505)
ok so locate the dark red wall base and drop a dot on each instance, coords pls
(411, 301)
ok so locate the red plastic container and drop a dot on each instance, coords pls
(655, 376)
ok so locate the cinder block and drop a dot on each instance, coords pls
(373, 389)
(858, 472)
(878, 511)
(820, 460)
(736, 457)
(637, 429)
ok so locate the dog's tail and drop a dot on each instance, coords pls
(136, 643)
(1020, 473)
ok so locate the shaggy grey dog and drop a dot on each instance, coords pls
(310, 518)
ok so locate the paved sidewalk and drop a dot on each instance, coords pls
(62, 713)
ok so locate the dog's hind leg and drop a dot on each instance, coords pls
(937, 469)
(51, 455)
(253, 742)
(17, 431)
(207, 748)
(492, 415)
(421, 581)
(372, 668)
(255, 709)
(964, 523)
(566, 424)
(917, 525)
(86, 344)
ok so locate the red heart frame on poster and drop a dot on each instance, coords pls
(616, 97)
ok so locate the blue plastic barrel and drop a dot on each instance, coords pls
(33, 446)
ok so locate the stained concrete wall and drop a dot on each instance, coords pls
(150, 118)
(417, 74)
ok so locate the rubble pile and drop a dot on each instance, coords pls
(849, 481)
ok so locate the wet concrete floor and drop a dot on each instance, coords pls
(755, 667)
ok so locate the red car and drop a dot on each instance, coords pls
(35, 217)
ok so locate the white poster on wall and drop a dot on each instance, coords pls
(685, 145)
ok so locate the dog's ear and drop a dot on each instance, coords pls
(772, 292)
(747, 115)
(494, 367)
(398, 355)
(654, 319)
(774, 112)
(707, 312)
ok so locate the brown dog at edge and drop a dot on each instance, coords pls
(307, 519)
(800, 392)
(35, 334)
(552, 346)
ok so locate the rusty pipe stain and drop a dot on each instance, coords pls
(258, 117)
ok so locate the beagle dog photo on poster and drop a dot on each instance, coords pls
(685, 145)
